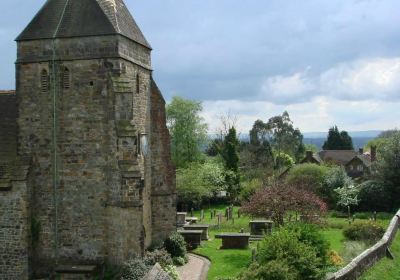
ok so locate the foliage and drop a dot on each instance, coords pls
(387, 168)
(273, 270)
(335, 258)
(369, 232)
(230, 151)
(200, 181)
(187, 129)
(134, 269)
(338, 140)
(172, 271)
(282, 136)
(308, 176)
(179, 261)
(276, 201)
(283, 160)
(348, 195)
(335, 178)
(231, 160)
(352, 249)
(373, 197)
(160, 256)
(175, 245)
(311, 147)
(249, 188)
(311, 236)
(283, 245)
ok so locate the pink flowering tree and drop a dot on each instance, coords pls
(276, 202)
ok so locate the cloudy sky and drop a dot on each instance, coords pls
(325, 62)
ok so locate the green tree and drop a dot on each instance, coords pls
(387, 168)
(188, 131)
(338, 140)
(308, 176)
(231, 159)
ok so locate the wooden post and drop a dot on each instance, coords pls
(219, 220)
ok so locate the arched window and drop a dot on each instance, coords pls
(44, 81)
(137, 83)
(66, 78)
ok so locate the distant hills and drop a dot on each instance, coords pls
(353, 134)
(360, 138)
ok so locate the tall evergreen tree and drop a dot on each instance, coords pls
(231, 158)
(338, 140)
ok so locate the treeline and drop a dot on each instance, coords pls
(240, 168)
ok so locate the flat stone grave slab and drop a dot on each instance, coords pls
(181, 219)
(76, 272)
(260, 227)
(203, 228)
(192, 237)
(191, 220)
(234, 240)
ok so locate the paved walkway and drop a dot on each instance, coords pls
(195, 269)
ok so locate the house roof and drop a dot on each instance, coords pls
(81, 18)
(363, 158)
(337, 156)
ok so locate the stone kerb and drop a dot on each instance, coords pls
(370, 256)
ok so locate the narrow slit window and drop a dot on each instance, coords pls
(44, 81)
(137, 84)
(66, 79)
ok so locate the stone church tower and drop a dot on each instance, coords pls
(92, 179)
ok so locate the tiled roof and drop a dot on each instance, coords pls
(81, 18)
(337, 156)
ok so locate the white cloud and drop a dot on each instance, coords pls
(377, 79)
(289, 89)
(368, 79)
(316, 115)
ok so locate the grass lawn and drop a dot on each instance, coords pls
(386, 269)
(228, 263)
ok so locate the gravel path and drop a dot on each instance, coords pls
(195, 269)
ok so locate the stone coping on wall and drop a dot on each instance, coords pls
(370, 256)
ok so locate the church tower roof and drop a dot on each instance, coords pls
(81, 18)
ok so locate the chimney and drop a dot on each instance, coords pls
(361, 151)
(373, 153)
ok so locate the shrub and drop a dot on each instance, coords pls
(309, 176)
(373, 197)
(160, 256)
(352, 249)
(311, 236)
(335, 178)
(335, 258)
(273, 270)
(134, 269)
(172, 272)
(249, 188)
(284, 246)
(176, 245)
(179, 261)
(369, 232)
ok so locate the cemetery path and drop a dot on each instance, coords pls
(196, 268)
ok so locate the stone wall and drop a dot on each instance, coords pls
(8, 127)
(371, 256)
(14, 232)
(163, 180)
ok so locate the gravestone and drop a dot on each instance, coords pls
(203, 228)
(260, 227)
(192, 237)
(157, 273)
(181, 219)
(234, 240)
